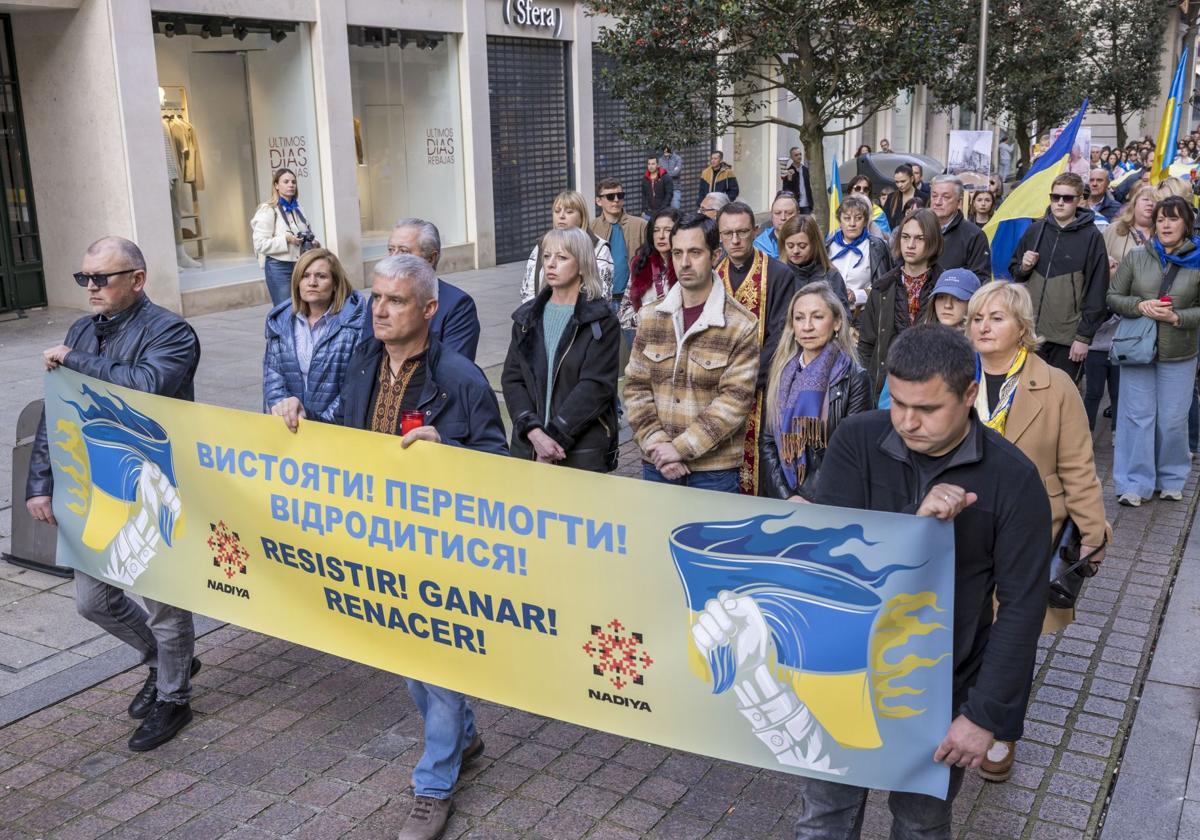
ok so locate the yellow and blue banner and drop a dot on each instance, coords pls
(835, 197)
(1168, 130)
(1029, 200)
(800, 638)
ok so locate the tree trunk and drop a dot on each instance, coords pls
(1119, 116)
(814, 152)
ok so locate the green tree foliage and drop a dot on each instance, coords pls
(1124, 55)
(690, 69)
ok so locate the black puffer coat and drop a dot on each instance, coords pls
(583, 417)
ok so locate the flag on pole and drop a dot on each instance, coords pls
(835, 197)
(1168, 131)
(1030, 199)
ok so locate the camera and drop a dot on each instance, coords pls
(307, 240)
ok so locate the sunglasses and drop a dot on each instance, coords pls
(1065, 199)
(618, 196)
(101, 280)
(862, 188)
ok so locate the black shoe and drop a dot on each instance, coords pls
(473, 751)
(161, 725)
(1108, 411)
(143, 701)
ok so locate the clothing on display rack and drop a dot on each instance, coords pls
(186, 150)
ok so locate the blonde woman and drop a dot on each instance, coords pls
(815, 382)
(1038, 408)
(280, 234)
(560, 375)
(310, 337)
(569, 210)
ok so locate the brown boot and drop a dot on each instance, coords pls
(997, 765)
(427, 819)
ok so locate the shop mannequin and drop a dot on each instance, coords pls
(173, 180)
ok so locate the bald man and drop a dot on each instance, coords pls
(129, 341)
(1100, 200)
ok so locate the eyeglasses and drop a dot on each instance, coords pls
(1055, 198)
(618, 196)
(785, 194)
(862, 188)
(743, 233)
(101, 280)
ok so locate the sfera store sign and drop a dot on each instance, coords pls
(529, 13)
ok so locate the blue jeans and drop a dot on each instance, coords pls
(723, 481)
(675, 197)
(449, 729)
(279, 279)
(834, 811)
(1151, 451)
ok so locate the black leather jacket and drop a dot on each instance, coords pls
(848, 395)
(152, 350)
(583, 414)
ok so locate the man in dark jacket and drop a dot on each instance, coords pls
(795, 180)
(1063, 260)
(718, 177)
(136, 344)
(657, 188)
(1100, 200)
(402, 367)
(456, 324)
(931, 456)
(964, 245)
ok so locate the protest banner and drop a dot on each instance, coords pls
(800, 638)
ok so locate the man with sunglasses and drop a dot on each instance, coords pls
(131, 342)
(623, 233)
(1063, 260)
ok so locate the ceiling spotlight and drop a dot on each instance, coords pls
(168, 29)
(239, 31)
(278, 35)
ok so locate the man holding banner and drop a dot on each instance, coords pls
(131, 342)
(402, 382)
(933, 457)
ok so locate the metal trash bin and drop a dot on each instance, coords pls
(33, 543)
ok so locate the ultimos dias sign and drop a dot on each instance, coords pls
(529, 13)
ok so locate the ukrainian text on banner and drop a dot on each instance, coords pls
(800, 638)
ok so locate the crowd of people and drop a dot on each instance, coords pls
(756, 357)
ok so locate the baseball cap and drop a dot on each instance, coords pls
(958, 282)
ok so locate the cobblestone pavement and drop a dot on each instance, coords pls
(289, 742)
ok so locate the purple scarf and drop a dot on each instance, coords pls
(803, 408)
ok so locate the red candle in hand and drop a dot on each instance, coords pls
(410, 420)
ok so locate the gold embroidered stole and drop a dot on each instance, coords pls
(752, 294)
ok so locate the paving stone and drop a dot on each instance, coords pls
(1065, 812)
(1074, 787)
(994, 822)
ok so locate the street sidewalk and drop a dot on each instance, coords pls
(289, 742)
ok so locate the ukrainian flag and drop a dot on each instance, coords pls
(1168, 132)
(835, 197)
(1030, 199)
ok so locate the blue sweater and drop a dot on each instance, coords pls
(281, 369)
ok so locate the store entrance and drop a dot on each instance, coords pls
(22, 281)
(532, 149)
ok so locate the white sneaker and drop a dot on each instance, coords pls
(1171, 495)
(1129, 499)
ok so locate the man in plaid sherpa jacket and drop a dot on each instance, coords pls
(692, 372)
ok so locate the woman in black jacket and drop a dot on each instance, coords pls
(815, 383)
(560, 376)
(803, 249)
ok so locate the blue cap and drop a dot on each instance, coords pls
(957, 282)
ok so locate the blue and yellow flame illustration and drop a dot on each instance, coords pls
(831, 631)
(117, 440)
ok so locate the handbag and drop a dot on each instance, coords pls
(1136, 339)
(1068, 570)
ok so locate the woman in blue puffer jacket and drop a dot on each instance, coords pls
(310, 338)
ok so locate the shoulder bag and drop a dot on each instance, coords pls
(1068, 569)
(1136, 340)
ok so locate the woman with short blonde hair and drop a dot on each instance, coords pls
(568, 210)
(1015, 300)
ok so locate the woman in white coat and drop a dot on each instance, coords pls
(281, 234)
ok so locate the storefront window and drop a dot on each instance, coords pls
(902, 121)
(237, 104)
(407, 132)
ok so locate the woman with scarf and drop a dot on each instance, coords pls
(861, 259)
(815, 382)
(280, 234)
(1159, 281)
(651, 274)
(1036, 407)
(804, 252)
(860, 185)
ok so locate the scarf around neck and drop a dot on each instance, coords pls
(287, 206)
(849, 247)
(803, 408)
(999, 418)
(1189, 260)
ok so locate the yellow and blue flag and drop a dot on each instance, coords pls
(835, 197)
(1029, 200)
(1168, 131)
